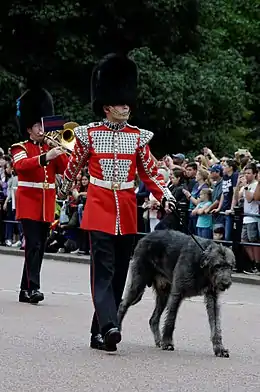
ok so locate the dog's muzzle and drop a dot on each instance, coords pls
(223, 286)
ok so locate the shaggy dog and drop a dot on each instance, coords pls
(174, 265)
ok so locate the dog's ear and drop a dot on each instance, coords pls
(205, 257)
(229, 256)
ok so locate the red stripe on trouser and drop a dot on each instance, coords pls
(26, 265)
(92, 284)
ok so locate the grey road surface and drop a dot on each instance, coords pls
(45, 348)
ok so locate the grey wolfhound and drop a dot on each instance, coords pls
(174, 265)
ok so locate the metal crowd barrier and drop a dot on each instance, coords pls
(236, 243)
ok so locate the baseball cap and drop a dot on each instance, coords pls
(216, 169)
(179, 156)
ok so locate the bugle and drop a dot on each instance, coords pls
(64, 138)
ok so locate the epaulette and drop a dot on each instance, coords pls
(20, 144)
(81, 133)
(145, 137)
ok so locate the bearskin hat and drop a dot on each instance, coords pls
(34, 104)
(114, 82)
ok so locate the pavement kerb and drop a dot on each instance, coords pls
(85, 259)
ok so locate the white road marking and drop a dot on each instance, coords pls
(198, 300)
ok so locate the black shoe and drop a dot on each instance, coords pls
(36, 296)
(97, 342)
(32, 297)
(112, 338)
(24, 296)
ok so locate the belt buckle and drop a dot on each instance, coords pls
(46, 185)
(115, 186)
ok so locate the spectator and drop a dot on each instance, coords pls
(228, 199)
(211, 159)
(257, 191)
(216, 174)
(218, 232)
(80, 194)
(142, 195)
(153, 206)
(202, 182)
(202, 161)
(204, 221)
(250, 224)
(223, 161)
(9, 207)
(171, 221)
(191, 171)
(2, 165)
(178, 159)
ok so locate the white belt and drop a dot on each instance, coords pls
(39, 185)
(113, 185)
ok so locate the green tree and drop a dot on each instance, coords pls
(198, 61)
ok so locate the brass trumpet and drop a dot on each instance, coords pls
(64, 138)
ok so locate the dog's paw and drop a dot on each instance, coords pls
(221, 352)
(158, 343)
(167, 346)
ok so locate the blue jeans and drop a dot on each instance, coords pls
(205, 232)
(192, 223)
(80, 212)
(228, 222)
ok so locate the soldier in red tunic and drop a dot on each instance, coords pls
(36, 165)
(114, 151)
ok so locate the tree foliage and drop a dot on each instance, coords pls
(198, 61)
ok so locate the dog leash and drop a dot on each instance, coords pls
(188, 230)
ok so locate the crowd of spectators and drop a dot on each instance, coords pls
(209, 188)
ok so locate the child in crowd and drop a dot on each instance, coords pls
(204, 222)
(218, 232)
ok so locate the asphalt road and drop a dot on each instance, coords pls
(45, 348)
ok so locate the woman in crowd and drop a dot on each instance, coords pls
(202, 182)
(178, 183)
(80, 195)
(9, 207)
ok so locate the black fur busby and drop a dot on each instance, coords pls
(34, 104)
(114, 82)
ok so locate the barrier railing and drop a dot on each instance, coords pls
(236, 243)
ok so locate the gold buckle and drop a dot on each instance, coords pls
(46, 185)
(115, 186)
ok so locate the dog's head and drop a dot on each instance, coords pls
(219, 262)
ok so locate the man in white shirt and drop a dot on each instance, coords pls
(250, 224)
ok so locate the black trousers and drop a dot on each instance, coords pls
(35, 234)
(110, 257)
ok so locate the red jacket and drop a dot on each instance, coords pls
(113, 157)
(36, 194)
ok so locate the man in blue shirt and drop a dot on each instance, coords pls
(228, 200)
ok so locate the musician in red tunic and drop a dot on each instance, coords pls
(36, 165)
(114, 151)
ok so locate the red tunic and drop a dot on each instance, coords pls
(113, 155)
(36, 194)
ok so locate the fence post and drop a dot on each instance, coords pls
(183, 211)
(236, 238)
